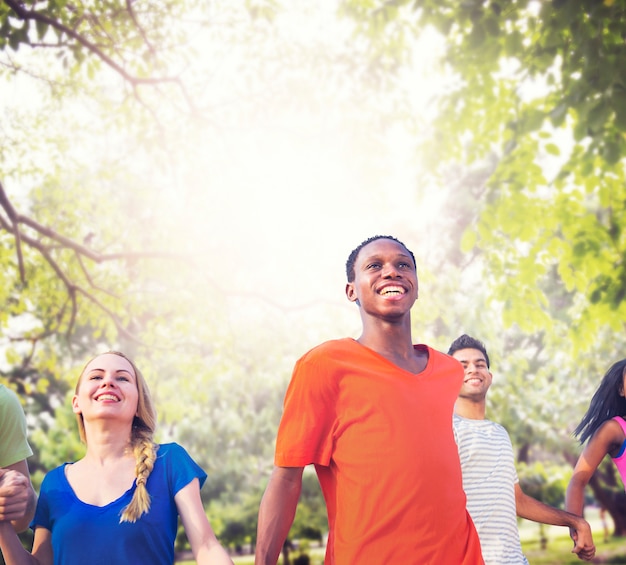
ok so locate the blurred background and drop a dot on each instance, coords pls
(184, 180)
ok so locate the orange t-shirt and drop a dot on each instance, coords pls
(382, 443)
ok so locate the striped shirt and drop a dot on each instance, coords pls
(489, 479)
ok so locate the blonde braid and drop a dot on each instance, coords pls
(145, 454)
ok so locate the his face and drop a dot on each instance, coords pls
(477, 379)
(385, 280)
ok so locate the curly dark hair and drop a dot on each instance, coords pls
(355, 253)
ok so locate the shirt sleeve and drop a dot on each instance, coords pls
(305, 433)
(13, 437)
(181, 468)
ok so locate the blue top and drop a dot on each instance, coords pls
(83, 533)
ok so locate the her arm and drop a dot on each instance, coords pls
(15, 554)
(601, 443)
(204, 545)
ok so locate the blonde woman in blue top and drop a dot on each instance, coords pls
(120, 503)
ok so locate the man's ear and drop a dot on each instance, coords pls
(351, 293)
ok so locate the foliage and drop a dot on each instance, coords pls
(546, 484)
(115, 142)
(135, 40)
(537, 96)
(310, 522)
(527, 142)
(529, 138)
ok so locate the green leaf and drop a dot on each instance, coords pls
(612, 152)
(558, 114)
(552, 149)
(468, 240)
(42, 28)
(598, 115)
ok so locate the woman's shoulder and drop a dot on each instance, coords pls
(610, 433)
(55, 476)
(170, 448)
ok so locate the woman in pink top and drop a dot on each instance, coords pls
(604, 426)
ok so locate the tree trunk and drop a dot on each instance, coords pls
(286, 548)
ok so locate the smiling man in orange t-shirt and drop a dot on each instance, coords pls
(374, 415)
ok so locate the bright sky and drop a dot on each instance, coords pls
(278, 199)
(301, 187)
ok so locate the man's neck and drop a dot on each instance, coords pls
(394, 344)
(469, 409)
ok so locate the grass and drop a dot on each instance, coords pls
(558, 551)
(559, 547)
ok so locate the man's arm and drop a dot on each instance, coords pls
(531, 509)
(276, 513)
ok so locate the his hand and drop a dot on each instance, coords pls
(14, 494)
(583, 541)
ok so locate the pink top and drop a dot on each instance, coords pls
(620, 460)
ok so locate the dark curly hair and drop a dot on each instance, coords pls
(355, 253)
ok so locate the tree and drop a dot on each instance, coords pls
(110, 189)
(135, 41)
(537, 96)
(535, 106)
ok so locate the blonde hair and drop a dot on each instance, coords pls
(141, 442)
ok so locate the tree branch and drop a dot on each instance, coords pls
(134, 80)
(10, 221)
(14, 227)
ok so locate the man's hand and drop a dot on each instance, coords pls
(15, 492)
(583, 540)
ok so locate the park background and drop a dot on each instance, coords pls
(183, 180)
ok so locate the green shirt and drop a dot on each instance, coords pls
(13, 443)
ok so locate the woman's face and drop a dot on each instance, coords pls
(107, 389)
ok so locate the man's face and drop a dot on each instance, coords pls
(385, 280)
(477, 379)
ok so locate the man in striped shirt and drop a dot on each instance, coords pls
(494, 495)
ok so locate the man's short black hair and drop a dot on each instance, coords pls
(355, 253)
(467, 342)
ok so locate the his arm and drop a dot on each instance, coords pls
(532, 509)
(276, 513)
(17, 496)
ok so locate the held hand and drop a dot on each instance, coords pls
(584, 547)
(14, 494)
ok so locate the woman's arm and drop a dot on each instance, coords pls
(15, 554)
(204, 545)
(602, 442)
